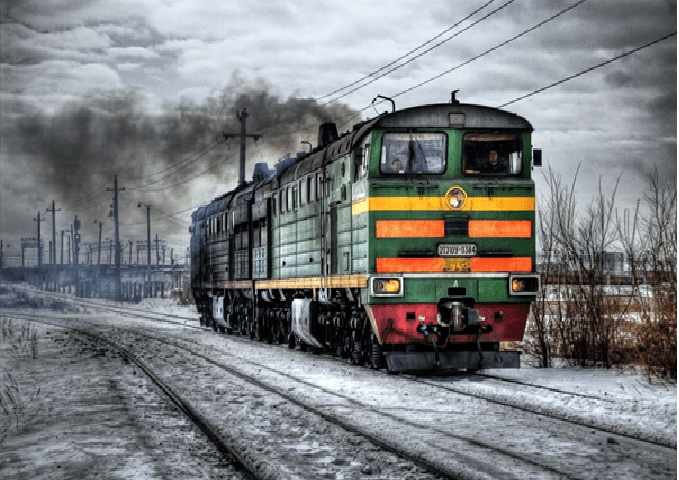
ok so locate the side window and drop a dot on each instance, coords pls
(224, 221)
(294, 198)
(302, 192)
(310, 187)
(289, 205)
(366, 160)
(283, 200)
(273, 204)
(319, 186)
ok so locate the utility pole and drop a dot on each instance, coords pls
(157, 254)
(69, 249)
(39, 245)
(99, 249)
(130, 260)
(54, 244)
(148, 241)
(115, 191)
(62, 246)
(76, 250)
(241, 118)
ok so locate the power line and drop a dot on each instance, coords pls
(421, 54)
(199, 152)
(143, 188)
(490, 50)
(186, 180)
(412, 51)
(587, 70)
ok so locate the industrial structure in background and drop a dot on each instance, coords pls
(96, 268)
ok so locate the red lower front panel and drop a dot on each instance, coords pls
(396, 324)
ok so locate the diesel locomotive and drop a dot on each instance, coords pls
(407, 242)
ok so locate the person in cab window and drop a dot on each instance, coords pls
(492, 159)
(396, 166)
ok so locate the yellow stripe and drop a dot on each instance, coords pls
(335, 281)
(360, 206)
(247, 284)
(476, 204)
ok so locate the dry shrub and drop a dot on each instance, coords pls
(657, 336)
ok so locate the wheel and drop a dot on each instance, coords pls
(292, 342)
(376, 356)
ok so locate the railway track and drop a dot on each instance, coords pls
(344, 409)
(340, 404)
(184, 406)
(238, 457)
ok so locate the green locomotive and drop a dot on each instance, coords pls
(408, 242)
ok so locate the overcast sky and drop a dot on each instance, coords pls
(142, 89)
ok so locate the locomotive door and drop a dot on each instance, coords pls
(333, 239)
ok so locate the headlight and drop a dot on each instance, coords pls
(456, 197)
(387, 286)
(524, 285)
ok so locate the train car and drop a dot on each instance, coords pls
(406, 242)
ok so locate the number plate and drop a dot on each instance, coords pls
(459, 250)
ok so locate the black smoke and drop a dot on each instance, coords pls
(172, 158)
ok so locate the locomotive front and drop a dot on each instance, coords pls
(449, 204)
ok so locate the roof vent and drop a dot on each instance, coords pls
(327, 133)
(454, 100)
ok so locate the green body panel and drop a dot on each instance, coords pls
(298, 246)
(428, 288)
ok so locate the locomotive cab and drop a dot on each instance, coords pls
(450, 207)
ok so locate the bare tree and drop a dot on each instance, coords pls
(587, 317)
(652, 254)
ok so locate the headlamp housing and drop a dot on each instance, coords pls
(386, 286)
(524, 284)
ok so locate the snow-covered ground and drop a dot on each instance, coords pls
(610, 402)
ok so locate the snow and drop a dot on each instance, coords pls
(608, 406)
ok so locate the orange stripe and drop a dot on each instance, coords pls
(409, 228)
(463, 264)
(500, 228)
(392, 265)
(511, 264)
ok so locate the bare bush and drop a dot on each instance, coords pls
(650, 243)
(578, 315)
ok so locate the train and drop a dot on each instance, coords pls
(405, 243)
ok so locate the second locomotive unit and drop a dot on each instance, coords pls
(407, 242)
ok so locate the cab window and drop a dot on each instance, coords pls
(413, 153)
(488, 154)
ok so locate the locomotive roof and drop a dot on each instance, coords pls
(469, 116)
(339, 148)
(438, 115)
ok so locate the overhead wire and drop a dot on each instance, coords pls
(144, 187)
(410, 60)
(393, 62)
(487, 52)
(587, 70)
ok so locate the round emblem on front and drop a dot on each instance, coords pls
(456, 197)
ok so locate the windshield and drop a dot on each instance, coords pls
(413, 153)
(491, 154)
